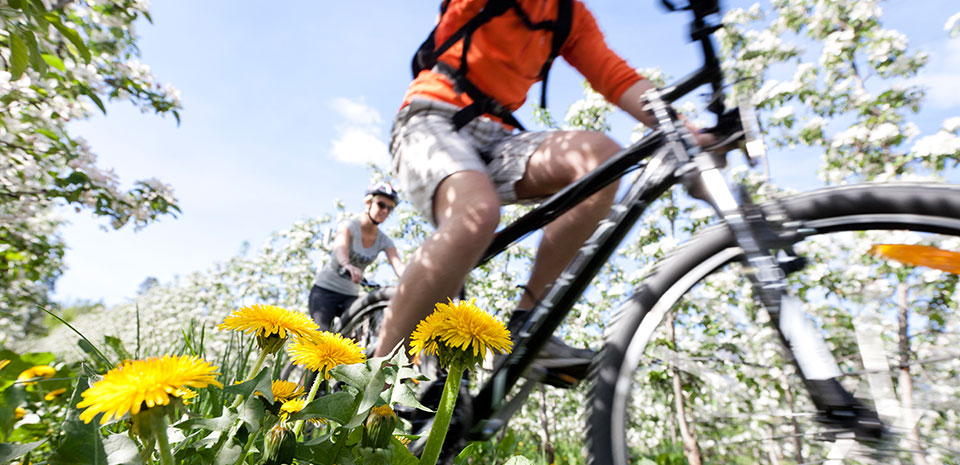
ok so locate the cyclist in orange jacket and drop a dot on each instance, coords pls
(458, 156)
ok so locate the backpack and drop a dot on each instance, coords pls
(426, 57)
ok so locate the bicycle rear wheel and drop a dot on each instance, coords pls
(691, 369)
(361, 322)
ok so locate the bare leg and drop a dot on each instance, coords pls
(467, 210)
(563, 158)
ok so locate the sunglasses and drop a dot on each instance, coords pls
(385, 206)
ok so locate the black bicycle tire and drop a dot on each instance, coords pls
(372, 304)
(915, 207)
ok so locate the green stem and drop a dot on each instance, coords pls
(253, 373)
(313, 392)
(256, 369)
(246, 450)
(441, 423)
(163, 443)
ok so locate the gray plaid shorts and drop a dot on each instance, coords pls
(426, 149)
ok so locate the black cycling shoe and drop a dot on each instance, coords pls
(557, 364)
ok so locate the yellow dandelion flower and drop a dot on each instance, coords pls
(920, 255)
(19, 413)
(284, 390)
(296, 405)
(266, 320)
(54, 394)
(150, 382)
(4, 363)
(322, 350)
(292, 406)
(185, 395)
(427, 335)
(39, 371)
(462, 326)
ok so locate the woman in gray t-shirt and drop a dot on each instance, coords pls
(356, 246)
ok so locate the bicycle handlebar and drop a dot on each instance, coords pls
(710, 72)
(363, 281)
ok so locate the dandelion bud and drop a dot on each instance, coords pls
(270, 344)
(379, 427)
(279, 445)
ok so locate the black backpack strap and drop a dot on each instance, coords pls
(482, 103)
(426, 55)
(561, 31)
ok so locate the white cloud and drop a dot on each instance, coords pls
(940, 78)
(357, 145)
(359, 138)
(356, 113)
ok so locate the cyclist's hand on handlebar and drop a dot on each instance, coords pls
(704, 139)
(355, 274)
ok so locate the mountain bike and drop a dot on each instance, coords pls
(831, 400)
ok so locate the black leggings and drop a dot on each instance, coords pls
(326, 304)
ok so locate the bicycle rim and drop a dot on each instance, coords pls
(693, 332)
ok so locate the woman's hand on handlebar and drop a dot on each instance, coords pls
(355, 274)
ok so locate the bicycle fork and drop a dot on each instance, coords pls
(767, 273)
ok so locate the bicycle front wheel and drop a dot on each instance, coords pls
(692, 369)
(361, 322)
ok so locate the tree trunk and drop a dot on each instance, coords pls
(548, 450)
(797, 432)
(905, 380)
(691, 449)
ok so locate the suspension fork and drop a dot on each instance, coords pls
(767, 274)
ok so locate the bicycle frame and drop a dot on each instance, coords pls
(666, 157)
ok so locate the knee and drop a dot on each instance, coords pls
(593, 148)
(469, 204)
(481, 217)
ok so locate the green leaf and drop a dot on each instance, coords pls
(252, 413)
(339, 407)
(19, 56)
(93, 96)
(10, 452)
(229, 455)
(402, 455)
(38, 358)
(370, 397)
(71, 35)
(81, 442)
(221, 423)
(48, 133)
(54, 61)
(10, 399)
(319, 453)
(117, 345)
(121, 450)
(404, 395)
(260, 383)
(14, 4)
(36, 58)
(101, 361)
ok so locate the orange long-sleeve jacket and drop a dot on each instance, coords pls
(505, 57)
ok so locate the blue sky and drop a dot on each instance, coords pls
(284, 103)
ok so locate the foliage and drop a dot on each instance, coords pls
(828, 77)
(32, 409)
(61, 61)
